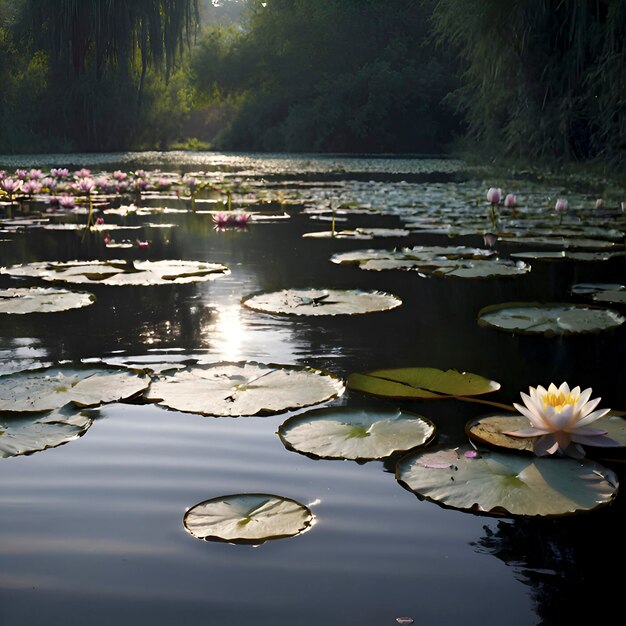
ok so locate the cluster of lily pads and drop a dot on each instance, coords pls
(492, 474)
(499, 472)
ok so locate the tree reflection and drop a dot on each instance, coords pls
(569, 564)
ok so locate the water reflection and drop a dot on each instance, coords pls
(377, 551)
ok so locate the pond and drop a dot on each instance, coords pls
(93, 530)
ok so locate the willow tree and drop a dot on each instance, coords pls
(92, 45)
(542, 77)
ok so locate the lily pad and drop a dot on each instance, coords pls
(566, 255)
(591, 288)
(50, 388)
(355, 434)
(359, 233)
(490, 430)
(509, 485)
(565, 242)
(24, 434)
(420, 382)
(321, 302)
(119, 272)
(244, 388)
(610, 296)
(247, 518)
(42, 300)
(549, 319)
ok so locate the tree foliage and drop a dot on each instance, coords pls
(337, 75)
(541, 77)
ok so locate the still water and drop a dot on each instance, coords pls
(92, 532)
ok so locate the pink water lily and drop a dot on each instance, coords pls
(561, 205)
(559, 420)
(11, 185)
(493, 195)
(510, 201)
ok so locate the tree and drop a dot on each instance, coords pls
(101, 50)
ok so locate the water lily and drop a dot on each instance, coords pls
(510, 201)
(559, 420)
(66, 201)
(599, 203)
(493, 195)
(11, 185)
(59, 172)
(561, 205)
(490, 240)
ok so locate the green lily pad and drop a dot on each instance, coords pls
(120, 272)
(247, 518)
(50, 388)
(490, 430)
(548, 319)
(565, 255)
(25, 434)
(359, 233)
(244, 388)
(420, 382)
(355, 434)
(591, 288)
(565, 242)
(42, 300)
(449, 261)
(321, 302)
(509, 485)
(611, 296)
(496, 268)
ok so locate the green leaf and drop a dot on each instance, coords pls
(247, 518)
(313, 301)
(420, 382)
(244, 388)
(510, 485)
(548, 319)
(24, 434)
(42, 300)
(50, 388)
(355, 434)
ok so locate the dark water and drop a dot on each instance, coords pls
(91, 531)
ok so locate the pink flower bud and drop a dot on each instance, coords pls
(510, 201)
(599, 203)
(561, 205)
(493, 195)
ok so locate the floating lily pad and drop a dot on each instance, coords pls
(244, 388)
(611, 296)
(247, 518)
(565, 242)
(42, 300)
(490, 430)
(420, 382)
(50, 388)
(360, 233)
(591, 288)
(355, 434)
(496, 268)
(119, 272)
(321, 302)
(565, 255)
(450, 261)
(548, 319)
(25, 434)
(509, 485)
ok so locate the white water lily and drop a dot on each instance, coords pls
(560, 418)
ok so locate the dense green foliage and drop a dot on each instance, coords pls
(91, 74)
(541, 77)
(525, 79)
(337, 75)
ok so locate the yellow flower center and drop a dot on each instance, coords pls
(558, 400)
